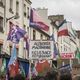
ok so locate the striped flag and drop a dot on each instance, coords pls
(55, 53)
(37, 22)
(13, 64)
(63, 30)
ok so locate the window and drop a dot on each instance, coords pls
(47, 38)
(10, 49)
(28, 30)
(1, 24)
(24, 27)
(11, 6)
(64, 48)
(24, 55)
(25, 10)
(1, 3)
(34, 34)
(17, 8)
(41, 37)
(17, 51)
(1, 48)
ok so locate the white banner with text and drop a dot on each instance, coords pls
(41, 50)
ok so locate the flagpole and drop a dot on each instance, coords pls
(30, 69)
(71, 63)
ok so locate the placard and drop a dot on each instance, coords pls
(41, 50)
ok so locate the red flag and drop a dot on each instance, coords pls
(13, 64)
(42, 67)
(63, 30)
(14, 69)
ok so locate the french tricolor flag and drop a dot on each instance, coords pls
(37, 22)
(63, 30)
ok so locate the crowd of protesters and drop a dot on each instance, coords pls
(52, 74)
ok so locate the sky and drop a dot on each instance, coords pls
(69, 8)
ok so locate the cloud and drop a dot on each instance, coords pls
(69, 8)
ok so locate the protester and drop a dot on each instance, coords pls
(17, 77)
(66, 76)
(51, 75)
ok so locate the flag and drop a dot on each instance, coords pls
(13, 64)
(62, 23)
(42, 67)
(37, 22)
(3, 68)
(77, 54)
(29, 73)
(22, 72)
(55, 53)
(15, 33)
(65, 69)
(63, 30)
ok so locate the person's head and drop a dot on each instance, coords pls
(65, 77)
(52, 75)
(35, 78)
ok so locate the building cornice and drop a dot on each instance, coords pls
(28, 1)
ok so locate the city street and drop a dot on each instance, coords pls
(39, 40)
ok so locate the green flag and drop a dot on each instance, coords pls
(77, 55)
(3, 68)
(22, 72)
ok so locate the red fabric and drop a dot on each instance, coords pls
(39, 21)
(41, 67)
(14, 69)
(43, 26)
(63, 33)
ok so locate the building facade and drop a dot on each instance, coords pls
(10, 9)
(67, 46)
(17, 12)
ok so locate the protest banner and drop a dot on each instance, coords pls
(41, 50)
